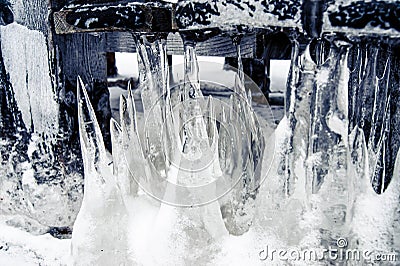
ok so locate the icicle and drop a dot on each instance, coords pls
(367, 91)
(391, 125)
(211, 120)
(195, 138)
(102, 209)
(329, 185)
(301, 87)
(152, 82)
(125, 181)
(375, 120)
(225, 145)
(358, 160)
(247, 146)
(379, 160)
(239, 87)
(357, 64)
(191, 68)
(329, 122)
(378, 113)
(132, 146)
(116, 141)
(92, 144)
(164, 66)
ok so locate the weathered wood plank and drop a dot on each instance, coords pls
(376, 17)
(121, 42)
(32, 14)
(216, 46)
(277, 44)
(226, 13)
(138, 17)
(84, 55)
(379, 17)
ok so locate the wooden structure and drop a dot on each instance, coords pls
(78, 34)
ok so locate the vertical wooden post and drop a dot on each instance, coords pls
(84, 55)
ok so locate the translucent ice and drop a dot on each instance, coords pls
(99, 235)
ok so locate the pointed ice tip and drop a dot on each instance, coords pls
(210, 105)
(130, 98)
(114, 126)
(129, 86)
(131, 110)
(223, 115)
(122, 106)
(116, 133)
(90, 133)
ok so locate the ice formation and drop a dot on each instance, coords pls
(35, 181)
(182, 158)
(318, 183)
(184, 183)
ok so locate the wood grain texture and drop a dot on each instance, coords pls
(32, 14)
(216, 46)
(276, 45)
(84, 55)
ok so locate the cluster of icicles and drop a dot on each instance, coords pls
(316, 191)
(192, 151)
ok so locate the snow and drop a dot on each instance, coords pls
(21, 248)
(258, 16)
(34, 93)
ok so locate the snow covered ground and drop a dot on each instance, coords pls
(18, 247)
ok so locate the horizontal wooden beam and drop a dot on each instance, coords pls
(225, 13)
(359, 17)
(216, 46)
(136, 17)
(219, 45)
(314, 17)
(252, 45)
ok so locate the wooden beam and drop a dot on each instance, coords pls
(216, 46)
(134, 17)
(314, 17)
(354, 17)
(276, 45)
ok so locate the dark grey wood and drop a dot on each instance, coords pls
(132, 16)
(84, 55)
(32, 14)
(122, 42)
(217, 46)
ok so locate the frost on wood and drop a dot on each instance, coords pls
(34, 180)
(227, 13)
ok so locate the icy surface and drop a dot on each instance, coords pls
(34, 182)
(34, 93)
(252, 13)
